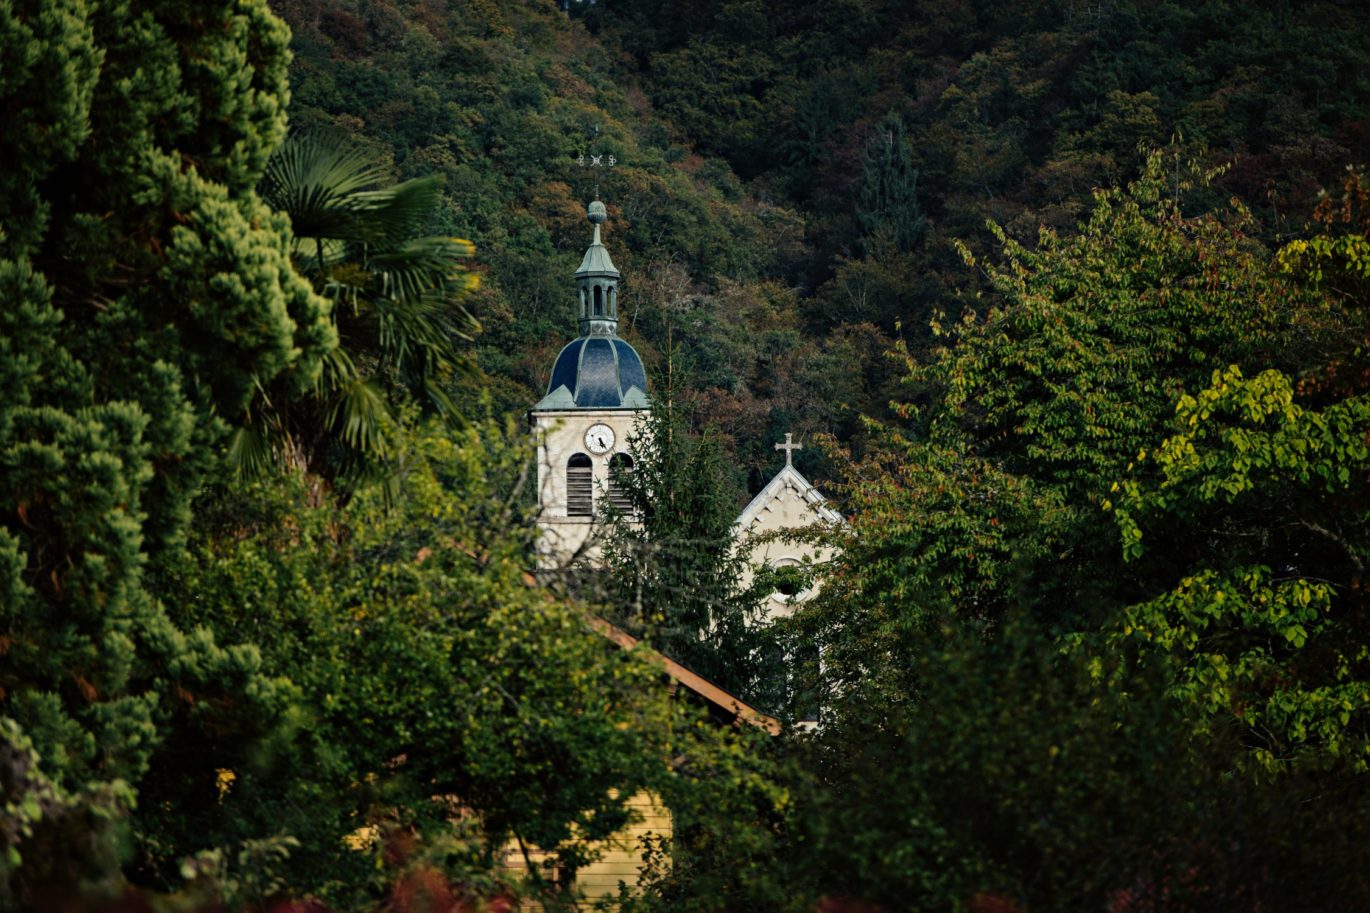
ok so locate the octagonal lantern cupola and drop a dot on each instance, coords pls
(597, 370)
(597, 282)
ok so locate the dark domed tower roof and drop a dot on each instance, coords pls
(597, 370)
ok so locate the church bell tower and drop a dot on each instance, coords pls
(597, 391)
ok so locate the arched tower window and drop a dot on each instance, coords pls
(584, 304)
(599, 301)
(619, 465)
(613, 303)
(580, 486)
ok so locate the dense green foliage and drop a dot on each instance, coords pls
(1095, 637)
(1255, 507)
(1016, 782)
(1099, 547)
(146, 290)
(431, 674)
(1023, 418)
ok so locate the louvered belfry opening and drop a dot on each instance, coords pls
(580, 486)
(620, 464)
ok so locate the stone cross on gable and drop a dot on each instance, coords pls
(789, 447)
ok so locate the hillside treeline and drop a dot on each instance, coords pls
(805, 169)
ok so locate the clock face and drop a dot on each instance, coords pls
(599, 438)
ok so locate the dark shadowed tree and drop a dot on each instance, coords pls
(887, 197)
(147, 293)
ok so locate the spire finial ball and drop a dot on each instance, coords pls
(597, 213)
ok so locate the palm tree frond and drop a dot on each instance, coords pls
(321, 182)
(420, 266)
(250, 452)
(394, 214)
(361, 416)
(307, 164)
(441, 400)
(339, 370)
(317, 251)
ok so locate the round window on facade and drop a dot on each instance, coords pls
(790, 579)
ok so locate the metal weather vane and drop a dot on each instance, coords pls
(596, 160)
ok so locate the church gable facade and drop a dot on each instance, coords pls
(787, 503)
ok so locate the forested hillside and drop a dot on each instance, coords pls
(500, 100)
(803, 169)
(1015, 111)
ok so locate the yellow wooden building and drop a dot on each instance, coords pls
(620, 861)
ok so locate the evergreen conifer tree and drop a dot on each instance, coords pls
(147, 291)
(672, 572)
(887, 204)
